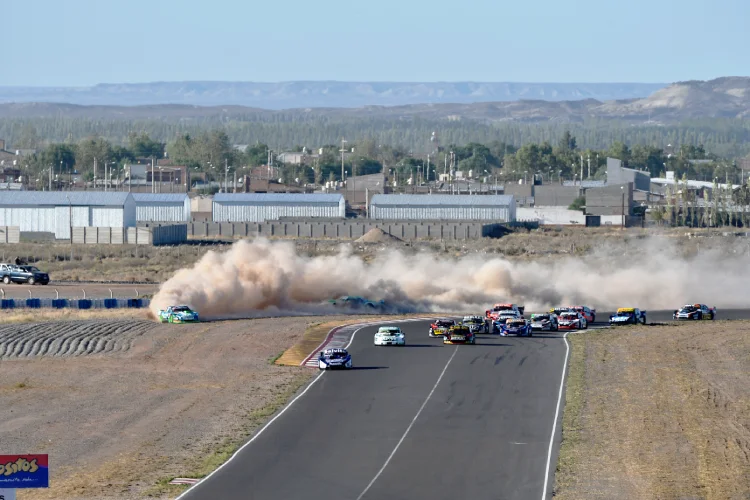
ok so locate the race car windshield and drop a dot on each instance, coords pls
(540, 317)
(516, 323)
(181, 309)
(444, 323)
(569, 316)
(337, 355)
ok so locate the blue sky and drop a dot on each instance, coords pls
(84, 42)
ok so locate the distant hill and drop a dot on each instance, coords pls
(285, 95)
(720, 98)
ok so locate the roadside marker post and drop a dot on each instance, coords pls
(7, 494)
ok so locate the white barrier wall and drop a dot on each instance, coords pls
(551, 215)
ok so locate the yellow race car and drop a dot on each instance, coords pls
(459, 334)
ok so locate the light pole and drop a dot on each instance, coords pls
(622, 188)
(343, 150)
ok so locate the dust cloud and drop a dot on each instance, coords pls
(265, 278)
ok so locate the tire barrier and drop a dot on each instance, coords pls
(37, 303)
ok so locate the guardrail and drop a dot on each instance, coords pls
(36, 303)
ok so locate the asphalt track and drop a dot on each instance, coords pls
(421, 421)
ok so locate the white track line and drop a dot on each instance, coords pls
(410, 426)
(557, 413)
(196, 485)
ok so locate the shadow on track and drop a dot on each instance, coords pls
(421, 345)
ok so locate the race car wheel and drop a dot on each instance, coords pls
(713, 316)
(699, 316)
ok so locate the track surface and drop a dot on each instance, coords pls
(484, 432)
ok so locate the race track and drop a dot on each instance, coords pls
(422, 421)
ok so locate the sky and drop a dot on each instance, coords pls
(85, 42)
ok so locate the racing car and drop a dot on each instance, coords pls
(476, 324)
(518, 326)
(502, 318)
(389, 335)
(695, 312)
(497, 309)
(544, 322)
(356, 302)
(628, 316)
(459, 334)
(573, 320)
(586, 312)
(178, 314)
(334, 358)
(440, 326)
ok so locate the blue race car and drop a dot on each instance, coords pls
(334, 358)
(519, 327)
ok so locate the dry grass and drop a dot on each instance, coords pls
(658, 412)
(45, 315)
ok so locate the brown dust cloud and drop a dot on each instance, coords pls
(269, 278)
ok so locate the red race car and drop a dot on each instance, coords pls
(586, 312)
(440, 326)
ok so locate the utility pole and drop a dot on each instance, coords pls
(226, 171)
(51, 169)
(130, 177)
(153, 186)
(94, 173)
(427, 174)
(588, 158)
(581, 170)
(343, 150)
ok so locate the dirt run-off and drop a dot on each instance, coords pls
(658, 412)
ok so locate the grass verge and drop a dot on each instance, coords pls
(215, 457)
(44, 315)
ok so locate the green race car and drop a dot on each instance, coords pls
(178, 314)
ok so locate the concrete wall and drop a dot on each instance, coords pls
(608, 200)
(201, 204)
(551, 215)
(10, 234)
(555, 195)
(158, 235)
(406, 230)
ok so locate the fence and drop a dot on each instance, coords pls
(10, 234)
(157, 235)
(33, 303)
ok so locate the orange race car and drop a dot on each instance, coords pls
(586, 312)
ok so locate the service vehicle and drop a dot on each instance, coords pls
(628, 316)
(23, 274)
(477, 324)
(695, 312)
(335, 358)
(178, 314)
(572, 320)
(497, 309)
(440, 326)
(459, 334)
(389, 335)
(545, 322)
(519, 327)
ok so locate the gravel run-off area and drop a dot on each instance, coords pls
(658, 412)
(122, 406)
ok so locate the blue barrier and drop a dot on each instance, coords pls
(8, 304)
(84, 304)
(110, 303)
(59, 303)
(135, 303)
(33, 303)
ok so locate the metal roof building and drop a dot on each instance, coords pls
(162, 207)
(56, 211)
(497, 208)
(259, 207)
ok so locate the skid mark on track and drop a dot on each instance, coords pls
(69, 338)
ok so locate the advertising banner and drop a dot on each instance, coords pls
(23, 471)
(7, 494)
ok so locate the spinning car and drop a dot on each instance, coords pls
(459, 334)
(695, 312)
(178, 314)
(334, 358)
(628, 316)
(572, 320)
(440, 326)
(544, 322)
(355, 302)
(476, 324)
(518, 326)
(390, 335)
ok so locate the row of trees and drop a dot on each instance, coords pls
(213, 151)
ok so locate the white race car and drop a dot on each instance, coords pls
(389, 335)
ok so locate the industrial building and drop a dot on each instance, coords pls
(162, 207)
(260, 207)
(57, 211)
(497, 208)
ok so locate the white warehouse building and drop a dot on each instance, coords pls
(56, 211)
(495, 208)
(260, 207)
(162, 207)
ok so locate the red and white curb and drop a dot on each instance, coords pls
(184, 480)
(340, 336)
